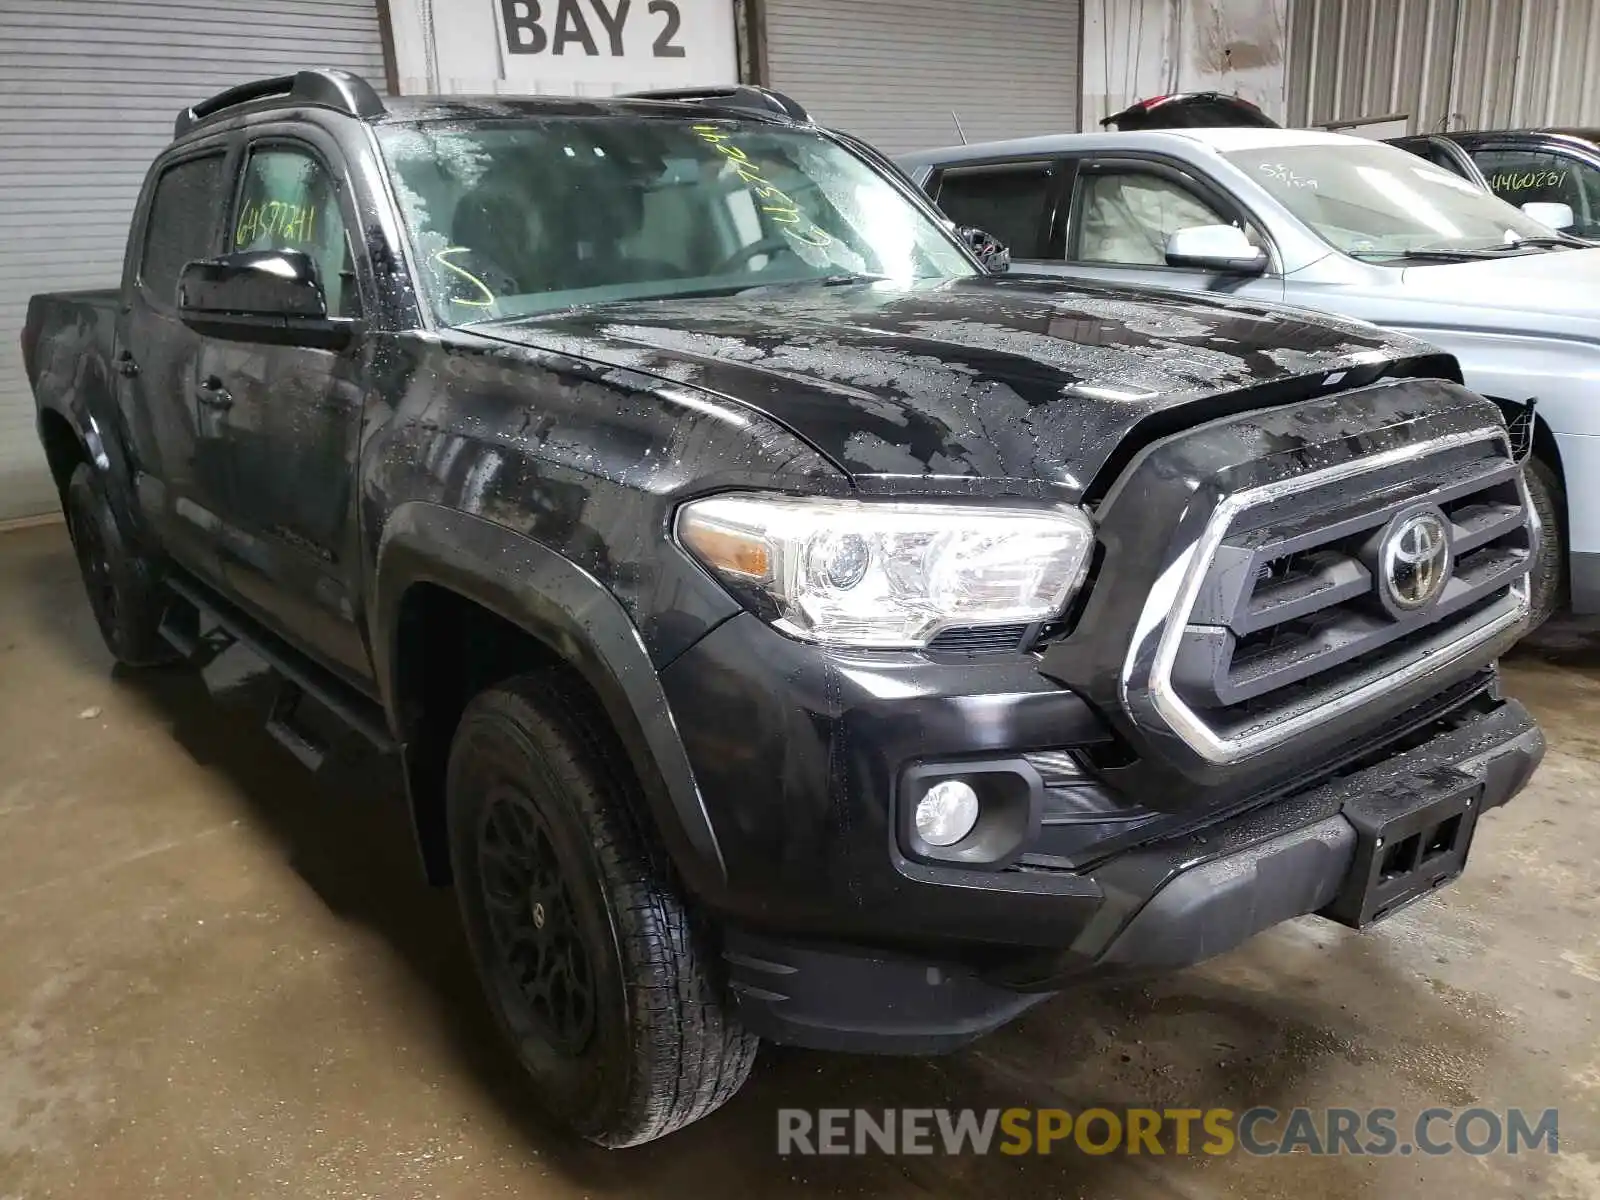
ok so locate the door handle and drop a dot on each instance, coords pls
(212, 394)
(125, 364)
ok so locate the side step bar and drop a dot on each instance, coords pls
(220, 625)
(180, 626)
(281, 728)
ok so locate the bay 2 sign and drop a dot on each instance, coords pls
(591, 46)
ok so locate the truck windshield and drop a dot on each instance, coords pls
(1380, 202)
(516, 217)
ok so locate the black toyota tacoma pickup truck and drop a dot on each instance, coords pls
(789, 627)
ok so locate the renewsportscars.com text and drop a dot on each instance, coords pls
(1373, 1132)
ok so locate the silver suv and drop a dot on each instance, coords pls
(1339, 224)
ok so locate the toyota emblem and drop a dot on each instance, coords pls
(1415, 560)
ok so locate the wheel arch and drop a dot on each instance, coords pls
(1539, 445)
(522, 605)
(64, 448)
(69, 440)
(1544, 446)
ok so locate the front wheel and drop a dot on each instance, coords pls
(594, 968)
(1548, 580)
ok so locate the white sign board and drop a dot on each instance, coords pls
(601, 46)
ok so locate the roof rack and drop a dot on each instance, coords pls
(744, 96)
(324, 87)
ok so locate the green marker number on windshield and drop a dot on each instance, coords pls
(772, 200)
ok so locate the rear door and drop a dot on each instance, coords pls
(178, 459)
(1121, 211)
(291, 415)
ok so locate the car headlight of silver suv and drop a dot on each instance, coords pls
(888, 574)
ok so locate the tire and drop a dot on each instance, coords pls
(121, 583)
(593, 966)
(1548, 581)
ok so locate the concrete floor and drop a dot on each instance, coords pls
(221, 976)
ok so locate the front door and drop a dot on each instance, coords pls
(293, 417)
(1122, 212)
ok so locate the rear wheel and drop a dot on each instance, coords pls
(1548, 581)
(120, 582)
(594, 968)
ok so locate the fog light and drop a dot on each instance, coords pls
(947, 813)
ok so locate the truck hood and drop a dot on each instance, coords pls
(1558, 284)
(1008, 377)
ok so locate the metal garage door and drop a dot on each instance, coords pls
(893, 71)
(88, 92)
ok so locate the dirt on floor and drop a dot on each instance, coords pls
(220, 975)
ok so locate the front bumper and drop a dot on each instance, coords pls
(1165, 905)
(801, 757)
(1225, 884)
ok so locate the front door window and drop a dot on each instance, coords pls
(289, 202)
(1125, 217)
(1546, 177)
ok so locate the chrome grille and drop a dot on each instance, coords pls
(1284, 610)
(1314, 601)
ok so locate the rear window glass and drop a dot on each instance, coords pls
(183, 218)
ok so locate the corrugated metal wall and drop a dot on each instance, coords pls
(894, 71)
(1136, 49)
(88, 93)
(1445, 64)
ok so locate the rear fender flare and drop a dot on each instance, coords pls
(88, 405)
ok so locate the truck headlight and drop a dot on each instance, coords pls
(887, 574)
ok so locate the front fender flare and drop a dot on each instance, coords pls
(573, 614)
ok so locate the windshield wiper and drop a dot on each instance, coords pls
(842, 279)
(1543, 243)
(1422, 255)
(1468, 253)
(847, 278)
(727, 289)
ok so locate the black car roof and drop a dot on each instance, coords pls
(1587, 135)
(409, 109)
(1583, 135)
(343, 92)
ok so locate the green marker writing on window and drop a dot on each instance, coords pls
(776, 202)
(442, 257)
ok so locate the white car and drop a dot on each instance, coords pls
(1340, 224)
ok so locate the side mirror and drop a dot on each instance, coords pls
(1223, 249)
(270, 296)
(1556, 216)
(994, 254)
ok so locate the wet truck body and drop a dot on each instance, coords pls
(1242, 666)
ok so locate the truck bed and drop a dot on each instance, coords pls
(68, 338)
